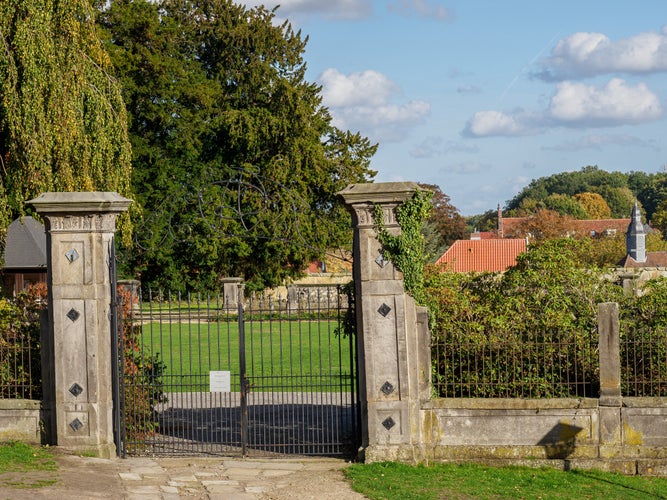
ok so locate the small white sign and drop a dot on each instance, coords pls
(220, 381)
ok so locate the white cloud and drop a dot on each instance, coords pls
(370, 88)
(588, 54)
(329, 9)
(366, 102)
(573, 105)
(614, 104)
(421, 8)
(497, 123)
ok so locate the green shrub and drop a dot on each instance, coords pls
(528, 332)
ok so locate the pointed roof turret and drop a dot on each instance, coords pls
(635, 238)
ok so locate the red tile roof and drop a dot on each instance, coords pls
(591, 227)
(482, 255)
(599, 226)
(653, 259)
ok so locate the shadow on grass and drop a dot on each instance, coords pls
(608, 479)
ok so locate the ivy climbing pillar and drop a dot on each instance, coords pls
(80, 230)
(393, 342)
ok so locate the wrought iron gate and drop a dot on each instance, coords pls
(231, 376)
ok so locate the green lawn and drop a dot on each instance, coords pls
(25, 466)
(302, 355)
(393, 481)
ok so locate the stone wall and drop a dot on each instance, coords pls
(20, 420)
(563, 433)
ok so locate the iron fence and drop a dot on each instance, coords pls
(265, 376)
(20, 374)
(20, 345)
(508, 365)
(644, 362)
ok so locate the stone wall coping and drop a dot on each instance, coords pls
(645, 402)
(82, 202)
(378, 192)
(20, 404)
(510, 404)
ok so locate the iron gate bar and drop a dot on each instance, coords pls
(245, 385)
(116, 341)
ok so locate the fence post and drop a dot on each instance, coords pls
(610, 379)
(232, 291)
(79, 231)
(388, 337)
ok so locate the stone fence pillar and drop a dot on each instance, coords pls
(390, 351)
(610, 380)
(232, 289)
(80, 230)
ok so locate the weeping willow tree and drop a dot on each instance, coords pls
(63, 124)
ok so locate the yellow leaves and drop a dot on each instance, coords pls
(63, 114)
(594, 205)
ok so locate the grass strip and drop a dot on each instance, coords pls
(388, 480)
(26, 466)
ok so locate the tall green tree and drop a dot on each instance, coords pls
(565, 205)
(63, 124)
(236, 162)
(654, 192)
(588, 179)
(619, 199)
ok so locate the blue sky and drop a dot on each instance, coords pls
(481, 96)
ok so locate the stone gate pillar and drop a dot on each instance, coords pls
(80, 229)
(392, 334)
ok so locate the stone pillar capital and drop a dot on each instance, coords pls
(94, 202)
(361, 200)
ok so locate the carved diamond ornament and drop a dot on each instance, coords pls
(381, 261)
(76, 389)
(71, 255)
(384, 310)
(387, 388)
(388, 423)
(75, 424)
(73, 314)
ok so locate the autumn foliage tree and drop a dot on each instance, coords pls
(445, 225)
(594, 205)
(544, 225)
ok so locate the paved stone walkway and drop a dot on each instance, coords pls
(195, 478)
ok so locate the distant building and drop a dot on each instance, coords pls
(635, 242)
(483, 235)
(510, 226)
(482, 255)
(25, 256)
